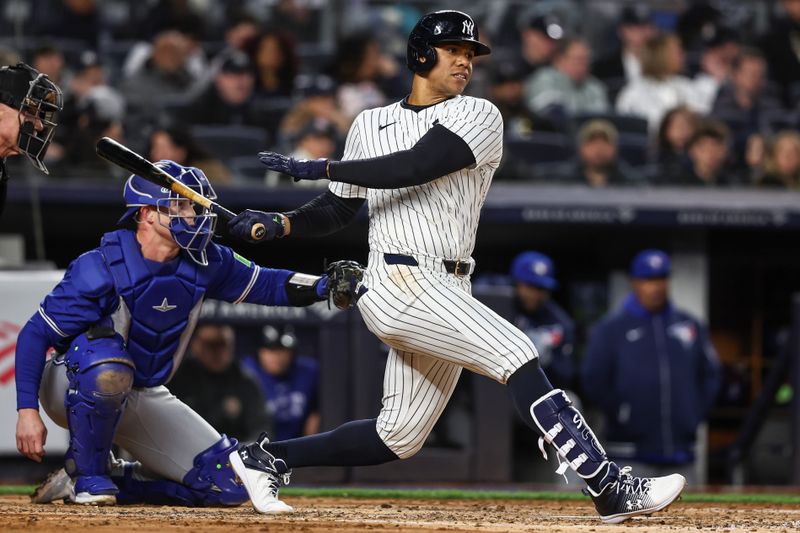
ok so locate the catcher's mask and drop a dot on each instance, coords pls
(191, 225)
(39, 102)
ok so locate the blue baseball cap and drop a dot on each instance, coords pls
(650, 264)
(534, 269)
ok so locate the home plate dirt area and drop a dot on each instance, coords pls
(320, 514)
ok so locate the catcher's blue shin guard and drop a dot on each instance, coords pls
(100, 374)
(564, 427)
(210, 483)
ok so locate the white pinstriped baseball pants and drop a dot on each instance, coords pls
(434, 328)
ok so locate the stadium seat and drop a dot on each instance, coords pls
(541, 148)
(633, 149)
(247, 169)
(228, 142)
(625, 124)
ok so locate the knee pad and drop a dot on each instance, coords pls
(564, 427)
(100, 374)
(212, 479)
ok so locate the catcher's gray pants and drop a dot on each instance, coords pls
(156, 428)
(434, 328)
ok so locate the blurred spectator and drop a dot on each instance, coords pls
(782, 164)
(317, 99)
(716, 66)
(709, 151)
(69, 19)
(176, 144)
(539, 39)
(598, 164)
(8, 56)
(674, 134)
(240, 34)
(567, 84)
(87, 87)
(180, 15)
(276, 64)
(507, 92)
(543, 320)
(755, 158)
(213, 383)
(745, 98)
(364, 74)
(290, 384)
(299, 18)
(49, 59)
(781, 49)
(164, 76)
(317, 140)
(624, 65)
(661, 86)
(652, 371)
(229, 99)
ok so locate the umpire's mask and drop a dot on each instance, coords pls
(39, 101)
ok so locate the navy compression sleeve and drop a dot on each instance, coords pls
(438, 153)
(325, 214)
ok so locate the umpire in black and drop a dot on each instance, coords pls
(29, 108)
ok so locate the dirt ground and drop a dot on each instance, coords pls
(342, 515)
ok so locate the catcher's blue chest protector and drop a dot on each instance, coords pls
(159, 305)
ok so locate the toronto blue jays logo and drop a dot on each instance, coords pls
(685, 332)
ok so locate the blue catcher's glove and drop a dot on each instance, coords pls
(241, 225)
(299, 169)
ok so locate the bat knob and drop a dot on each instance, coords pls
(258, 231)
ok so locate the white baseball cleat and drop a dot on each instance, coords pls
(262, 475)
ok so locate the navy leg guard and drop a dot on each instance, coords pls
(564, 427)
(100, 374)
(210, 483)
(213, 477)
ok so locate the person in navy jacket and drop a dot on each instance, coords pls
(548, 326)
(652, 371)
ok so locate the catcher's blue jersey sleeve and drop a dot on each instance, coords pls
(240, 280)
(83, 296)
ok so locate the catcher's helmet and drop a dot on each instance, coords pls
(440, 27)
(192, 233)
(38, 101)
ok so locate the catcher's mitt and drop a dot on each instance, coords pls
(345, 283)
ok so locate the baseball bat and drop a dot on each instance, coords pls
(124, 157)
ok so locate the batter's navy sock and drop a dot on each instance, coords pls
(526, 385)
(355, 443)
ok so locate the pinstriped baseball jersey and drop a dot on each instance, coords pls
(438, 218)
(428, 317)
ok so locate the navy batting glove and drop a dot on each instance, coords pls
(299, 169)
(242, 225)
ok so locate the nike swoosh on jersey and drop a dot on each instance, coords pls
(386, 125)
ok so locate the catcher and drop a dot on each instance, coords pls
(120, 320)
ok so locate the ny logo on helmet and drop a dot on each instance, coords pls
(468, 27)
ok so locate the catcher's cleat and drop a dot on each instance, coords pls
(56, 486)
(95, 490)
(625, 496)
(262, 475)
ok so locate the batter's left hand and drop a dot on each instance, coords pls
(299, 169)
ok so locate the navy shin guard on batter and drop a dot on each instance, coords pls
(564, 427)
(100, 374)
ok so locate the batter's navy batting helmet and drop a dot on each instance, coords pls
(440, 27)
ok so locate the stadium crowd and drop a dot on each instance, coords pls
(688, 93)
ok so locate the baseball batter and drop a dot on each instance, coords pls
(424, 166)
(120, 320)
